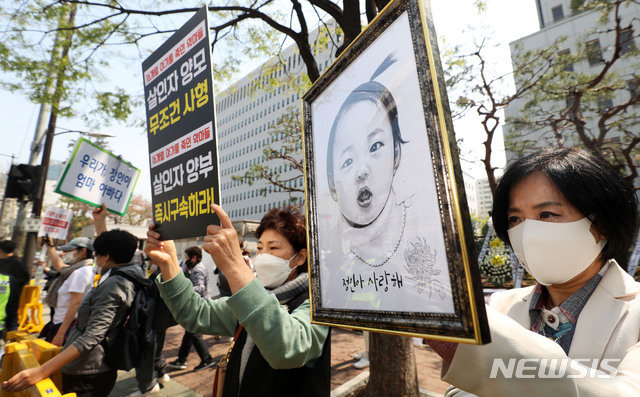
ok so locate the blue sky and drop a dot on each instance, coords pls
(503, 21)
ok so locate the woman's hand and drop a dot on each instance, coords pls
(221, 242)
(24, 379)
(100, 219)
(99, 213)
(58, 340)
(48, 241)
(162, 253)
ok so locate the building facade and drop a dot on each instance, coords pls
(577, 32)
(245, 113)
(478, 194)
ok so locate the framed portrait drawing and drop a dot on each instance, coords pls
(390, 239)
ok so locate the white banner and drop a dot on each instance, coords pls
(95, 176)
(55, 223)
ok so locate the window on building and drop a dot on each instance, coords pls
(569, 101)
(594, 52)
(604, 104)
(564, 58)
(632, 87)
(626, 41)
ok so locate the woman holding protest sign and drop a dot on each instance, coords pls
(567, 215)
(276, 350)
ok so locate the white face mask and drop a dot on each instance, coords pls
(69, 258)
(554, 253)
(272, 271)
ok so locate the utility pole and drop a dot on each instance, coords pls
(4, 199)
(59, 59)
(43, 114)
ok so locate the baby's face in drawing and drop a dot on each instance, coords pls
(363, 162)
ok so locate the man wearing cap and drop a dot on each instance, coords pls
(66, 291)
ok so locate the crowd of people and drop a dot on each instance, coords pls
(566, 213)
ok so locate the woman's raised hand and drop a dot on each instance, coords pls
(162, 253)
(221, 242)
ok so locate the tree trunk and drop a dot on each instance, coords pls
(393, 367)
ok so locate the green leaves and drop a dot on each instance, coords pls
(54, 55)
(113, 105)
(587, 94)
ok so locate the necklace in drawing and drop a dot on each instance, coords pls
(397, 245)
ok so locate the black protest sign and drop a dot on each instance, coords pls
(183, 156)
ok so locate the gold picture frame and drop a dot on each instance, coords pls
(389, 234)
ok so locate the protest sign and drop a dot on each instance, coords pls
(183, 157)
(95, 176)
(55, 223)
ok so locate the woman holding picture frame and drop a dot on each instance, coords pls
(276, 350)
(567, 215)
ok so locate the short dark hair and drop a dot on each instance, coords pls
(588, 182)
(7, 246)
(287, 221)
(120, 245)
(194, 251)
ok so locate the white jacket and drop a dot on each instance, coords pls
(608, 328)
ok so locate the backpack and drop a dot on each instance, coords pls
(135, 336)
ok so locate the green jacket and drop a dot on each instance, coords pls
(284, 340)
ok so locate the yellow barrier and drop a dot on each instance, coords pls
(18, 336)
(30, 310)
(20, 356)
(43, 352)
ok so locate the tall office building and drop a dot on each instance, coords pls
(562, 19)
(245, 113)
(478, 194)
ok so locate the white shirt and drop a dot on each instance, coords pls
(80, 281)
(104, 276)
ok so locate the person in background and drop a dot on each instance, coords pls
(150, 374)
(246, 254)
(18, 274)
(363, 356)
(195, 271)
(66, 291)
(277, 352)
(162, 319)
(101, 313)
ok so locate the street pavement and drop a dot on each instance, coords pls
(344, 344)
